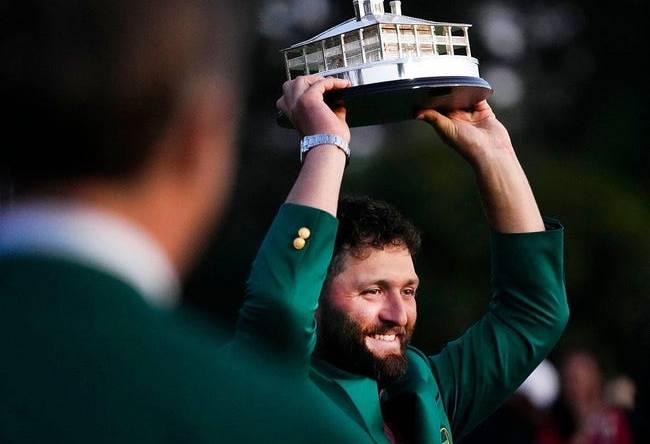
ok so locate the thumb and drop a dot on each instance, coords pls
(443, 125)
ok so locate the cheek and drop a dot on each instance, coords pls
(363, 314)
(366, 317)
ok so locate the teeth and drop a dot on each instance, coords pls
(387, 338)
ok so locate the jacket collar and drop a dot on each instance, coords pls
(91, 236)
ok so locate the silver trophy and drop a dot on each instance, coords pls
(396, 64)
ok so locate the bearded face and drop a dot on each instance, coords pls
(367, 315)
(342, 341)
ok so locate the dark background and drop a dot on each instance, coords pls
(569, 86)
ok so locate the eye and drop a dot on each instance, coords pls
(374, 291)
(410, 292)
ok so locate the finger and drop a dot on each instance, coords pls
(429, 115)
(281, 104)
(295, 88)
(340, 83)
(482, 106)
(482, 111)
(286, 86)
(442, 124)
(303, 83)
(307, 80)
(328, 84)
(300, 82)
(311, 79)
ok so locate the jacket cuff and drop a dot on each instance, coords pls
(524, 259)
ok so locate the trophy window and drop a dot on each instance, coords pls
(353, 53)
(295, 62)
(460, 50)
(460, 40)
(442, 36)
(314, 58)
(333, 50)
(372, 44)
(406, 41)
(425, 40)
(389, 39)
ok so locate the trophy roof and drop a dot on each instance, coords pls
(368, 20)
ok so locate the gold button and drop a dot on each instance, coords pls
(299, 243)
(304, 233)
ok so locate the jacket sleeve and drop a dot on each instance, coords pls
(285, 284)
(525, 319)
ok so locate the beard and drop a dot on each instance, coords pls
(341, 342)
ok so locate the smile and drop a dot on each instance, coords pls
(386, 338)
(383, 344)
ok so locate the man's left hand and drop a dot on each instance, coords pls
(475, 134)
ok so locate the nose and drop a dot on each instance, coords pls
(394, 310)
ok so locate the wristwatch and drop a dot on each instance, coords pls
(309, 142)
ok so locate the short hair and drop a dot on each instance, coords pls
(89, 85)
(368, 223)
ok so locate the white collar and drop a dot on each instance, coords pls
(97, 238)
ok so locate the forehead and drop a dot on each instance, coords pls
(388, 264)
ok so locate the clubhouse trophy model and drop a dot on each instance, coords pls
(395, 63)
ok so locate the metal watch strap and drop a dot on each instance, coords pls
(309, 142)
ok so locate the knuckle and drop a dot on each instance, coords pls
(306, 106)
(303, 102)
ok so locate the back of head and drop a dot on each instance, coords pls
(89, 85)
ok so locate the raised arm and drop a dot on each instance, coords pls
(528, 310)
(291, 265)
(484, 142)
(319, 182)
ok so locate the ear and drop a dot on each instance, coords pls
(201, 131)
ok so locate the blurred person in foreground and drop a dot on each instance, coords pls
(362, 359)
(119, 142)
(583, 415)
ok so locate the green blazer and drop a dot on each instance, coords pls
(84, 359)
(443, 396)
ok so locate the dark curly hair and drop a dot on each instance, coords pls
(368, 223)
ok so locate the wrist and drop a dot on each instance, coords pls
(313, 141)
(495, 159)
(321, 126)
(331, 131)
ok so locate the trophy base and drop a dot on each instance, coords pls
(399, 100)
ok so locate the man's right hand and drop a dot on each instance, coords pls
(302, 102)
(319, 181)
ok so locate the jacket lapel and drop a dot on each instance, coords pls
(362, 395)
(413, 404)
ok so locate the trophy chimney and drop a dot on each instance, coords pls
(367, 7)
(358, 9)
(396, 7)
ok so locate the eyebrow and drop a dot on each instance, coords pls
(385, 283)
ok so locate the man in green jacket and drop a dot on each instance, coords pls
(120, 146)
(393, 392)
